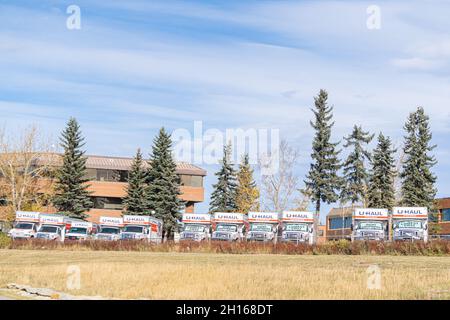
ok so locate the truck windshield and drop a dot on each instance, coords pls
(297, 227)
(370, 225)
(78, 230)
(226, 227)
(134, 229)
(410, 224)
(109, 230)
(24, 226)
(261, 227)
(49, 229)
(194, 228)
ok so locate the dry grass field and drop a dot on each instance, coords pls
(147, 275)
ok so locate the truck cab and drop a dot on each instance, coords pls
(370, 224)
(25, 225)
(410, 223)
(196, 227)
(263, 226)
(109, 229)
(78, 230)
(297, 226)
(52, 227)
(144, 228)
(229, 226)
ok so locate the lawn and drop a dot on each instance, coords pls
(148, 275)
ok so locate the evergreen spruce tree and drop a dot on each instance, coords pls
(356, 177)
(381, 192)
(135, 202)
(322, 180)
(417, 178)
(247, 193)
(223, 198)
(164, 184)
(71, 195)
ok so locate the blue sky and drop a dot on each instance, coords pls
(135, 66)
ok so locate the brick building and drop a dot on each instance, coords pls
(338, 223)
(443, 217)
(108, 182)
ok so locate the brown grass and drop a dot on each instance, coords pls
(134, 275)
(332, 247)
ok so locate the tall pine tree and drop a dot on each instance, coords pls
(247, 192)
(417, 178)
(71, 195)
(223, 198)
(135, 201)
(381, 191)
(164, 184)
(322, 180)
(356, 177)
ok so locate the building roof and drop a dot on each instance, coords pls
(122, 163)
(443, 203)
(339, 212)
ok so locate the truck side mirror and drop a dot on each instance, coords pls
(351, 227)
(426, 226)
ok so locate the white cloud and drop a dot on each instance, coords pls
(418, 64)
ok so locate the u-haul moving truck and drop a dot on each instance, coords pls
(52, 227)
(109, 229)
(78, 229)
(410, 223)
(263, 226)
(370, 224)
(25, 225)
(298, 226)
(142, 228)
(196, 227)
(229, 226)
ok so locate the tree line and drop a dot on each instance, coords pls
(365, 178)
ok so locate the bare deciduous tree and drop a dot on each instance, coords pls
(280, 190)
(397, 179)
(25, 177)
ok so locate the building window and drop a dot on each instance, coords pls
(197, 181)
(191, 181)
(91, 174)
(107, 203)
(446, 214)
(336, 223)
(185, 180)
(107, 175)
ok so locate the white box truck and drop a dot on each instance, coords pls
(196, 227)
(410, 223)
(109, 229)
(229, 226)
(263, 226)
(297, 226)
(144, 228)
(78, 229)
(25, 225)
(51, 227)
(370, 224)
